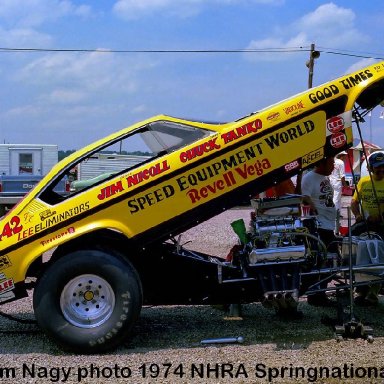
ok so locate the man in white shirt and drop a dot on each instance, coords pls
(337, 179)
(318, 194)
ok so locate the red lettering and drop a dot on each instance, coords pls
(199, 150)
(244, 130)
(6, 285)
(145, 174)
(12, 227)
(15, 223)
(110, 190)
(257, 168)
(211, 189)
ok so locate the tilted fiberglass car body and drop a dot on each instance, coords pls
(109, 236)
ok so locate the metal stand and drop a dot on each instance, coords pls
(352, 327)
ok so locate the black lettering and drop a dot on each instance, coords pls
(183, 185)
(309, 126)
(260, 371)
(292, 133)
(284, 138)
(272, 141)
(229, 163)
(368, 73)
(323, 94)
(334, 89)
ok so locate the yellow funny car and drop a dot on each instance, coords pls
(96, 253)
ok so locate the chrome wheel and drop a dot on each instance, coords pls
(87, 301)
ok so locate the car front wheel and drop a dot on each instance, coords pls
(88, 300)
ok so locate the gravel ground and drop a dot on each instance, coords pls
(166, 344)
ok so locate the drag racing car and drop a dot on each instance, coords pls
(95, 254)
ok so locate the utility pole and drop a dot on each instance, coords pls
(313, 54)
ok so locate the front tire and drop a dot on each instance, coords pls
(88, 300)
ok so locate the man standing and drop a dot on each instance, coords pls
(367, 205)
(337, 179)
(371, 194)
(318, 194)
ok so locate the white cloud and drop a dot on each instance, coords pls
(90, 70)
(64, 96)
(139, 109)
(276, 44)
(331, 25)
(69, 78)
(20, 20)
(360, 64)
(24, 38)
(133, 9)
(328, 26)
(329, 15)
(33, 13)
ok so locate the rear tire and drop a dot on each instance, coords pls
(88, 300)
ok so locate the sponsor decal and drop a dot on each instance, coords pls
(292, 165)
(195, 194)
(4, 262)
(352, 81)
(242, 131)
(52, 220)
(146, 174)
(45, 214)
(228, 180)
(28, 217)
(224, 173)
(379, 68)
(335, 124)
(134, 179)
(295, 108)
(66, 232)
(273, 116)
(11, 227)
(110, 190)
(199, 150)
(312, 157)
(5, 284)
(338, 140)
(150, 198)
(324, 93)
(292, 133)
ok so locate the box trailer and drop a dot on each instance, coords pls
(22, 166)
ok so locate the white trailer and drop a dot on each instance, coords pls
(102, 163)
(22, 166)
(27, 159)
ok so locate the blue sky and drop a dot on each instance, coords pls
(74, 98)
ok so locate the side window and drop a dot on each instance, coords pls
(25, 163)
(117, 156)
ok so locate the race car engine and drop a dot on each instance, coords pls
(281, 244)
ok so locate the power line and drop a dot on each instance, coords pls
(330, 51)
(345, 53)
(243, 50)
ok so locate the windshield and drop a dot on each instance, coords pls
(137, 147)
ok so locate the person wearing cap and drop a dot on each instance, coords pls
(337, 179)
(368, 212)
(367, 205)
